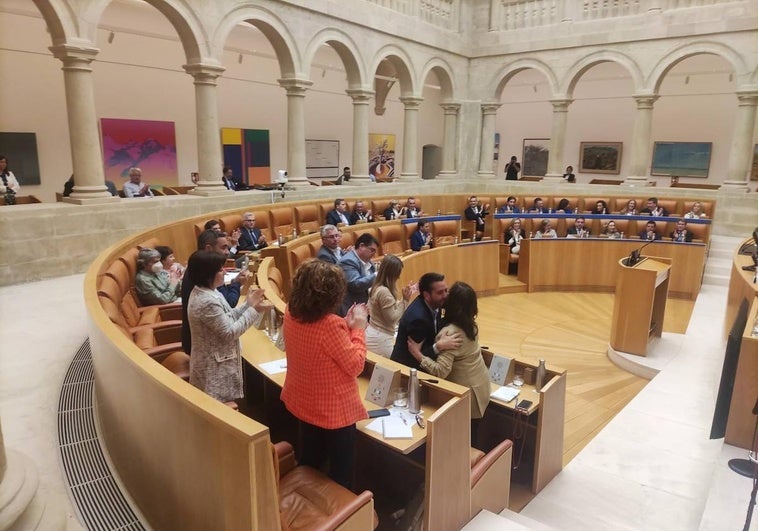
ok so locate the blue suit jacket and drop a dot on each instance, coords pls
(247, 243)
(333, 218)
(358, 282)
(417, 241)
(418, 322)
(502, 210)
(327, 256)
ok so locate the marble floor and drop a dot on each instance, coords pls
(652, 467)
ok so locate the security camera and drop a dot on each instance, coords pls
(281, 177)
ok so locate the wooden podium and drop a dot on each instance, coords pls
(640, 303)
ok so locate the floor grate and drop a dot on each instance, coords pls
(96, 493)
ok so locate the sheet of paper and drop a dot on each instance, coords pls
(505, 393)
(397, 427)
(275, 367)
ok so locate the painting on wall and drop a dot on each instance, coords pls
(21, 150)
(381, 155)
(147, 144)
(754, 167)
(681, 159)
(600, 157)
(247, 153)
(534, 159)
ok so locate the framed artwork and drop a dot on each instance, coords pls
(147, 144)
(681, 159)
(21, 150)
(600, 157)
(381, 155)
(322, 159)
(534, 159)
(754, 167)
(247, 153)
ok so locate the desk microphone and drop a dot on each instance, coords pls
(635, 256)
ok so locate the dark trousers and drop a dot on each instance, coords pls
(318, 445)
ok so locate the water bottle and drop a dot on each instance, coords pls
(622, 235)
(540, 378)
(294, 233)
(414, 393)
(439, 211)
(281, 240)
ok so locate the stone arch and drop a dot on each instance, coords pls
(347, 51)
(445, 75)
(502, 78)
(681, 53)
(403, 67)
(578, 69)
(183, 19)
(59, 19)
(271, 26)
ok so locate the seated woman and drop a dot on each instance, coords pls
(696, 212)
(680, 233)
(216, 362)
(463, 365)
(545, 230)
(564, 207)
(393, 210)
(153, 284)
(610, 230)
(325, 356)
(630, 209)
(601, 207)
(385, 307)
(169, 261)
(9, 183)
(512, 238)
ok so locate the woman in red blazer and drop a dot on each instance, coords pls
(325, 356)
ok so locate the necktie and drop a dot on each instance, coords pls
(252, 236)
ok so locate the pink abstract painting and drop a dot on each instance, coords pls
(148, 144)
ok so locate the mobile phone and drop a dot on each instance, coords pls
(374, 413)
(524, 405)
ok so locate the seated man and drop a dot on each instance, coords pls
(209, 240)
(345, 177)
(476, 213)
(214, 225)
(422, 236)
(230, 181)
(135, 187)
(538, 206)
(681, 234)
(359, 271)
(360, 214)
(578, 230)
(653, 209)
(509, 207)
(339, 214)
(330, 245)
(393, 210)
(649, 233)
(410, 210)
(250, 237)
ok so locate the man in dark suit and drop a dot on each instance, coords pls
(579, 230)
(509, 207)
(345, 177)
(653, 209)
(359, 271)
(650, 233)
(421, 322)
(230, 181)
(681, 234)
(410, 210)
(422, 236)
(251, 238)
(330, 245)
(339, 214)
(476, 213)
(215, 241)
(360, 214)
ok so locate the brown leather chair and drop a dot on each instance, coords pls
(282, 221)
(378, 206)
(297, 255)
(489, 473)
(391, 239)
(310, 500)
(178, 363)
(229, 222)
(276, 280)
(444, 232)
(348, 238)
(307, 219)
(699, 231)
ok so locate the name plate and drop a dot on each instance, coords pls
(499, 369)
(383, 381)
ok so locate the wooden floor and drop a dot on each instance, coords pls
(571, 331)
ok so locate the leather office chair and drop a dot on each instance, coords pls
(391, 239)
(444, 232)
(699, 231)
(310, 500)
(178, 363)
(307, 219)
(282, 221)
(229, 222)
(489, 474)
(275, 278)
(298, 255)
(672, 206)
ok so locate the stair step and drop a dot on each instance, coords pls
(505, 521)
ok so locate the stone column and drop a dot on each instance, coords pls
(86, 156)
(209, 160)
(641, 140)
(361, 101)
(489, 110)
(296, 129)
(555, 159)
(450, 140)
(741, 152)
(410, 138)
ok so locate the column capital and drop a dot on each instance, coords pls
(204, 73)
(75, 57)
(411, 102)
(450, 107)
(295, 86)
(360, 95)
(645, 101)
(748, 97)
(490, 107)
(561, 104)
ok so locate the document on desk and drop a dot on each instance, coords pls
(275, 367)
(505, 393)
(398, 425)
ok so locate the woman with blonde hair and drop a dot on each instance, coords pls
(545, 230)
(385, 307)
